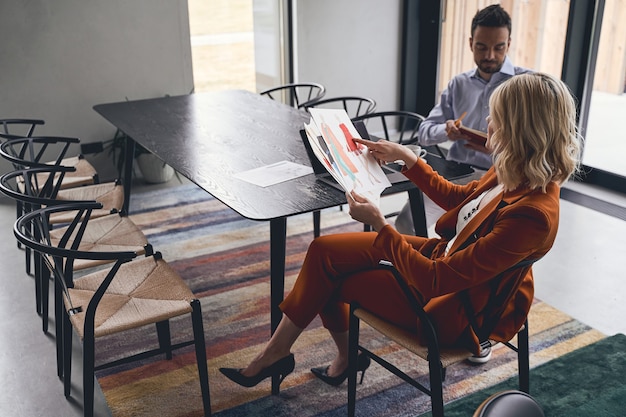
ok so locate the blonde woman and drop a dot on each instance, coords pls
(509, 215)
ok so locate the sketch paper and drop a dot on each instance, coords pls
(330, 133)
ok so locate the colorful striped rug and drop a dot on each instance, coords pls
(225, 260)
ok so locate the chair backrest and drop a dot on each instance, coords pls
(33, 231)
(20, 127)
(30, 152)
(353, 105)
(297, 94)
(483, 332)
(35, 186)
(397, 125)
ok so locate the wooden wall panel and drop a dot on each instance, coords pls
(611, 64)
(537, 39)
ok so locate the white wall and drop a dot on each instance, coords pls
(352, 47)
(59, 58)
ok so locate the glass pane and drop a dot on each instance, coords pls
(605, 145)
(270, 44)
(537, 39)
(222, 44)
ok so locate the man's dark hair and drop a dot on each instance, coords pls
(493, 16)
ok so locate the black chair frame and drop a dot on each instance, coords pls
(35, 195)
(436, 369)
(355, 106)
(405, 123)
(298, 95)
(29, 152)
(32, 230)
(32, 123)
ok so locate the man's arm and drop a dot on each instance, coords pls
(433, 129)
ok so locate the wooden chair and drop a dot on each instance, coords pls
(32, 152)
(297, 95)
(29, 152)
(395, 125)
(132, 293)
(14, 129)
(39, 187)
(355, 106)
(438, 357)
(47, 182)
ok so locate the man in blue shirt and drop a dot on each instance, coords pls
(468, 93)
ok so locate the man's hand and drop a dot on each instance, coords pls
(452, 130)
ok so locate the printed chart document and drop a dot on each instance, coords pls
(330, 133)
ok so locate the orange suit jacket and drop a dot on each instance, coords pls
(516, 225)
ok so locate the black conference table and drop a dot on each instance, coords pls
(209, 137)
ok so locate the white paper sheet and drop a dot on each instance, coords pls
(274, 174)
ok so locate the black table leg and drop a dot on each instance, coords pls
(278, 241)
(127, 179)
(416, 201)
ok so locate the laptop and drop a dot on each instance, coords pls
(392, 171)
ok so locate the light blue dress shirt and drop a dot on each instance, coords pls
(466, 92)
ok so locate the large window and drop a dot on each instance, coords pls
(561, 37)
(222, 44)
(537, 39)
(605, 144)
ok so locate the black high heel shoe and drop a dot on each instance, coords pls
(362, 363)
(281, 368)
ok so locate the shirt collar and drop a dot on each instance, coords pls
(507, 69)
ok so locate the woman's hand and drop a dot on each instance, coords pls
(364, 211)
(385, 151)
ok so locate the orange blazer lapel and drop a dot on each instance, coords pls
(485, 211)
(476, 221)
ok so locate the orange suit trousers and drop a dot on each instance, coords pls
(340, 269)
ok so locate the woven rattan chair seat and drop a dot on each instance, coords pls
(110, 233)
(110, 195)
(410, 341)
(144, 291)
(85, 174)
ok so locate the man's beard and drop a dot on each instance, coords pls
(491, 69)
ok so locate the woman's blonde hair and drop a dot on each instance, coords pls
(535, 139)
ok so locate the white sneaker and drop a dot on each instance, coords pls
(482, 357)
